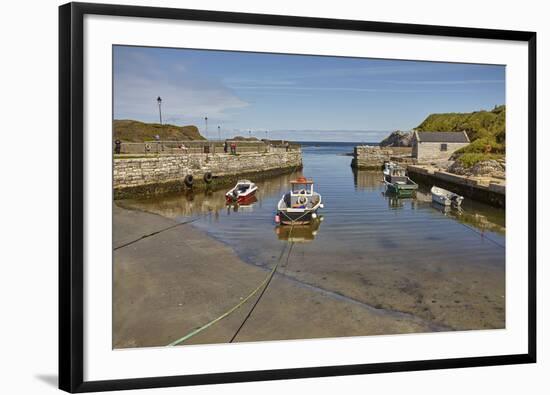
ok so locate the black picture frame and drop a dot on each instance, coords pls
(71, 204)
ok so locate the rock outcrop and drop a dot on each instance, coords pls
(490, 167)
(398, 139)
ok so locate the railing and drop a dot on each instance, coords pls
(201, 147)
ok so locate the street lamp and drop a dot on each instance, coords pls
(206, 127)
(159, 101)
(219, 133)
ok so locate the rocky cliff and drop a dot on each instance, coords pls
(398, 139)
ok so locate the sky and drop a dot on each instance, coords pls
(295, 97)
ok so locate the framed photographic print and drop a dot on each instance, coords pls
(251, 197)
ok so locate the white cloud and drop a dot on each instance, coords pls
(443, 82)
(348, 89)
(140, 79)
(365, 136)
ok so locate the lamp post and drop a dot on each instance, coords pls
(219, 133)
(206, 127)
(159, 101)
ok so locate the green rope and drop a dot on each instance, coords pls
(231, 310)
(266, 282)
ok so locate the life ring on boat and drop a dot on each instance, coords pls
(207, 177)
(302, 200)
(188, 180)
(147, 147)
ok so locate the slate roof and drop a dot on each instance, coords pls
(442, 137)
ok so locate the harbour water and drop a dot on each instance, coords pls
(400, 255)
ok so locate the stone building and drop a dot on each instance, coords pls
(437, 146)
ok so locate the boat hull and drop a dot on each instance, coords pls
(446, 198)
(441, 200)
(297, 217)
(241, 199)
(401, 190)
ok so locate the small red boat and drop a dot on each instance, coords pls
(242, 193)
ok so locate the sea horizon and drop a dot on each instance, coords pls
(326, 143)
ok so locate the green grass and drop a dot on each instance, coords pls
(478, 124)
(470, 159)
(484, 145)
(486, 130)
(138, 132)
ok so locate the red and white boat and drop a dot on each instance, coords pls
(243, 192)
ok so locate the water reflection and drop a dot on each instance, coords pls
(491, 219)
(477, 220)
(299, 233)
(367, 180)
(466, 214)
(190, 203)
(397, 202)
(242, 207)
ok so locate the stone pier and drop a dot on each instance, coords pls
(367, 157)
(476, 188)
(157, 174)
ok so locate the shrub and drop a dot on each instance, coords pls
(483, 145)
(469, 159)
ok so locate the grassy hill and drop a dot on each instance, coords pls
(136, 132)
(486, 130)
(477, 124)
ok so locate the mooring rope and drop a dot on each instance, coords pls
(481, 234)
(263, 291)
(154, 233)
(265, 283)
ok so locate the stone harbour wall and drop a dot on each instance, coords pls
(491, 193)
(373, 157)
(144, 176)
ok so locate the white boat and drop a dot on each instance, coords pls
(242, 193)
(299, 206)
(446, 198)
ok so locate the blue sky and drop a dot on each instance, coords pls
(295, 96)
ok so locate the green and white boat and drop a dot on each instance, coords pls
(397, 181)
